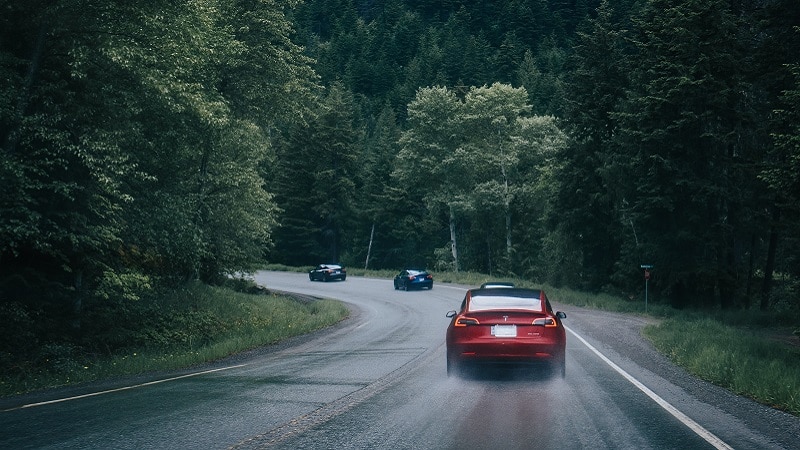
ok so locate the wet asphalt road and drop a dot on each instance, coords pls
(378, 381)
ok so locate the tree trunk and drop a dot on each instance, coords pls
(453, 244)
(509, 248)
(369, 247)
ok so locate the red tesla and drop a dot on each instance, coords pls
(509, 325)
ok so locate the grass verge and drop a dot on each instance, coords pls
(740, 360)
(181, 328)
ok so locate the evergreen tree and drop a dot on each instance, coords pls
(673, 171)
(314, 181)
(582, 213)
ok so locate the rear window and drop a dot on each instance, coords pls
(526, 301)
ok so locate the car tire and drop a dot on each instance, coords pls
(310, 277)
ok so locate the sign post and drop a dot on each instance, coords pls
(646, 268)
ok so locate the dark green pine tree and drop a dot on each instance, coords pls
(674, 165)
(774, 68)
(313, 179)
(583, 214)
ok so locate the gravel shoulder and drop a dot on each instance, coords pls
(620, 337)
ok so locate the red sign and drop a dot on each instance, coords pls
(646, 274)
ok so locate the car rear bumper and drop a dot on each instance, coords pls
(510, 351)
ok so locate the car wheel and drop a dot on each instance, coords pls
(344, 277)
(310, 277)
(396, 287)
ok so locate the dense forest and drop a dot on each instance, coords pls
(146, 144)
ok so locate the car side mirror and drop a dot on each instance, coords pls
(450, 314)
(561, 315)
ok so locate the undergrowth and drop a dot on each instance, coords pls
(185, 326)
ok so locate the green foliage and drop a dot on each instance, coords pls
(132, 141)
(478, 159)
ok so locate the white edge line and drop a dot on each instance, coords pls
(124, 388)
(709, 437)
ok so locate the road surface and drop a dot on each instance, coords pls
(378, 381)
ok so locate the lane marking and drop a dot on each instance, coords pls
(124, 388)
(708, 436)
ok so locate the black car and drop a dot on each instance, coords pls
(413, 279)
(327, 272)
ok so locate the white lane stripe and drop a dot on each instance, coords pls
(124, 388)
(694, 426)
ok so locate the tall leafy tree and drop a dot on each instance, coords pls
(63, 163)
(133, 137)
(491, 123)
(430, 163)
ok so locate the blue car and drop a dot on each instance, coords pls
(413, 279)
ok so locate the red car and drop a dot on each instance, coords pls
(509, 325)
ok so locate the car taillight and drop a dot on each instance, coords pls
(464, 321)
(546, 322)
(429, 277)
(411, 277)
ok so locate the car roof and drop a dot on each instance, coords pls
(331, 266)
(493, 299)
(497, 284)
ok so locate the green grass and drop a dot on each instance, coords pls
(741, 360)
(186, 327)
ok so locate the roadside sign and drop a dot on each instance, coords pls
(646, 268)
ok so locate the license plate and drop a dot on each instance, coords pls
(504, 330)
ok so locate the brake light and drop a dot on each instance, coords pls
(464, 321)
(547, 322)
